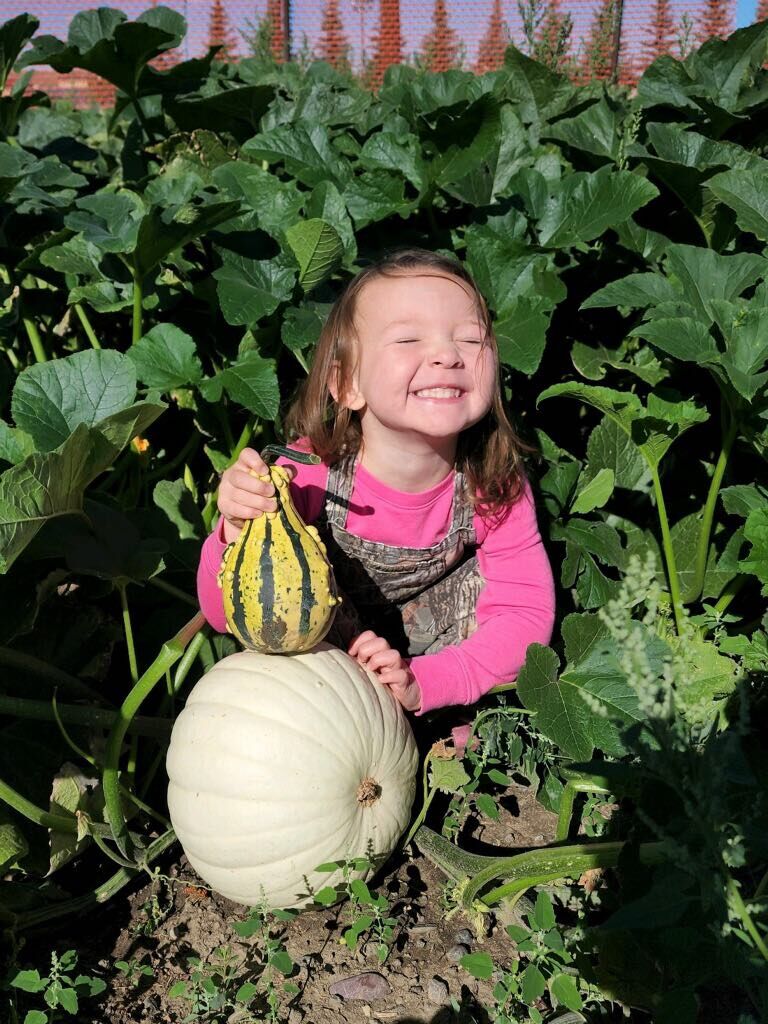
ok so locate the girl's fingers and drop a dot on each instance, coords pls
(387, 659)
(250, 459)
(242, 510)
(362, 638)
(246, 481)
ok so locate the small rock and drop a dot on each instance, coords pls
(437, 991)
(409, 970)
(455, 953)
(296, 1016)
(368, 987)
(464, 936)
(421, 944)
(416, 990)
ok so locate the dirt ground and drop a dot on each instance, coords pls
(413, 986)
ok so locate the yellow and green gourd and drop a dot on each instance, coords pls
(277, 583)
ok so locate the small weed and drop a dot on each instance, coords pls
(157, 908)
(135, 972)
(211, 988)
(370, 913)
(59, 989)
(275, 961)
(543, 977)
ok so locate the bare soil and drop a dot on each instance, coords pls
(421, 974)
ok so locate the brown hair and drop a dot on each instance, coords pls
(488, 453)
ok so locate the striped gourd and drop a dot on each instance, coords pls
(277, 583)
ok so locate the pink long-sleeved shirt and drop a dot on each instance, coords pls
(516, 606)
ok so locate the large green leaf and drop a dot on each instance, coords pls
(237, 111)
(521, 333)
(756, 532)
(166, 358)
(52, 484)
(275, 203)
(593, 669)
(104, 42)
(597, 129)
(652, 429)
(586, 205)
(109, 220)
(50, 399)
(318, 250)
(305, 153)
(251, 382)
(13, 37)
(163, 231)
(746, 192)
(251, 289)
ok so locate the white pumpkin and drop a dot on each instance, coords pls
(280, 763)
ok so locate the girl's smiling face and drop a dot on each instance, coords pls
(424, 367)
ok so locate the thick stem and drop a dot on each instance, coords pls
(169, 654)
(97, 718)
(705, 529)
(99, 895)
(128, 630)
(30, 811)
(86, 323)
(669, 552)
(55, 676)
(730, 591)
(746, 919)
(35, 340)
(138, 298)
(531, 867)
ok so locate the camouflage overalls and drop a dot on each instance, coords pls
(419, 599)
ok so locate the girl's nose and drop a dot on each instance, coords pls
(445, 353)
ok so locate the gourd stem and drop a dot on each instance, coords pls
(86, 323)
(100, 894)
(36, 666)
(565, 813)
(669, 552)
(169, 654)
(276, 450)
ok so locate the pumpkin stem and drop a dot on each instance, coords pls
(368, 792)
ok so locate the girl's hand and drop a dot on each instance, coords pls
(242, 495)
(374, 653)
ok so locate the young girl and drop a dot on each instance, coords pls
(420, 496)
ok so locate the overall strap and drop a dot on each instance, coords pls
(338, 490)
(463, 512)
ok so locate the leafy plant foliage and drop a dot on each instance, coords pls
(165, 268)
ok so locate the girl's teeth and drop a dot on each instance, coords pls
(439, 393)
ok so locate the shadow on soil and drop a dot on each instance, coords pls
(469, 1012)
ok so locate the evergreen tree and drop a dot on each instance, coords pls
(220, 34)
(276, 28)
(715, 19)
(598, 49)
(490, 53)
(553, 38)
(441, 48)
(388, 42)
(333, 45)
(660, 32)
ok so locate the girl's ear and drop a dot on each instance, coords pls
(345, 394)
